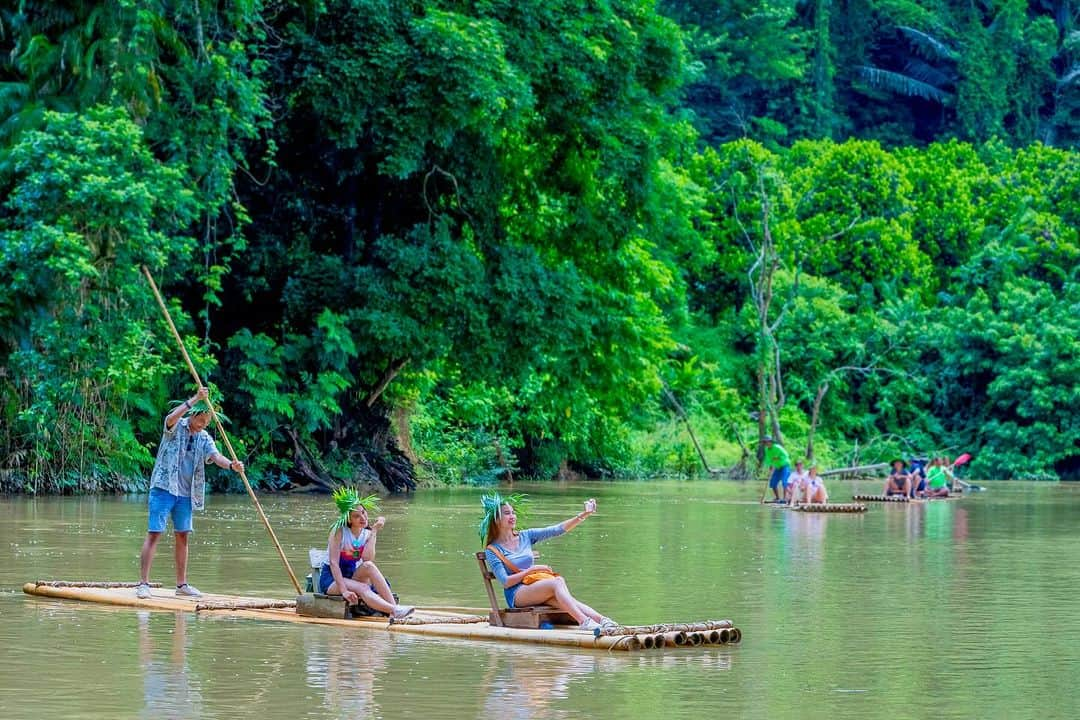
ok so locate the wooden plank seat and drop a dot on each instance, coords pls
(529, 617)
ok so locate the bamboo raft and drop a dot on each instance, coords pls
(903, 498)
(430, 622)
(830, 508)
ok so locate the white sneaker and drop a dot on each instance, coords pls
(589, 624)
(186, 590)
(402, 611)
(142, 591)
(606, 622)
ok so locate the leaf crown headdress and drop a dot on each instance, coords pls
(348, 499)
(202, 406)
(492, 505)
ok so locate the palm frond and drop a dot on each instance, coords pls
(901, 84)
(924, 72)
(928, 45)
(1073, 73)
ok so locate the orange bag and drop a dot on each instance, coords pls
(532, 576)
(537, 575)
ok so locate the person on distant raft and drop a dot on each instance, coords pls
(796, 484)
(950, 475)
(510, 556)
(350, 550)
(814, 488)
(778, 459)
(177, 485)
(898, 482)
(937, 481)
(917, 473)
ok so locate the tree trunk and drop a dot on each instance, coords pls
(814, 414)
(693, 438)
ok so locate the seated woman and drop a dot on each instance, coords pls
(510, 557)
(814, 488)
(350, 550)
(796, 485)
(898, 482)
(937, 480)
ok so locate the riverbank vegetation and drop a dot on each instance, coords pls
(443, 241)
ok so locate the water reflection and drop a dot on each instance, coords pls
(530, 684)
(936, 609)
(170, 689)
(345, 666)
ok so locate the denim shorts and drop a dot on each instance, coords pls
(510, 592)
(326, 579)
(780, 477)
(164, 504)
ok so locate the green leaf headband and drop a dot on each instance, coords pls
(201, 407)
(348, 499)
(492, 505)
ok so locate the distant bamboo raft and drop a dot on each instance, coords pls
(83, 584)
(882, 498)
(831, 508)
(856, 470)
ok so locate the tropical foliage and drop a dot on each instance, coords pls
(453, 240)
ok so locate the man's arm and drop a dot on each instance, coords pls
(225, 463)
(178, 412)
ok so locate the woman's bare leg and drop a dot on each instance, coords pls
(369, 573)
(553, 591)
(367, 595)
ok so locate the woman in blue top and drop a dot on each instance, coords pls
(510, 556)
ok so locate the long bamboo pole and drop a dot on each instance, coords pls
(221, 429)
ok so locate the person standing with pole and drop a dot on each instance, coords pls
(777, 458)
(238, 466)
(177, 486)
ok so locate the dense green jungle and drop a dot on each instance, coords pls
(446, 241)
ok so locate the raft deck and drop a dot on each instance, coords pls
(431, 622)
(829, 507)
(903, 498)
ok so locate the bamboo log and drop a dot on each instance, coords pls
(725, 635)
(881, 498)
(425, 619)
(245, 605)
(695, 638)
(675, 639)
(736, 636)
(82, 584)
(666, 627)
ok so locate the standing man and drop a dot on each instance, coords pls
(177, 485)
(777, 458)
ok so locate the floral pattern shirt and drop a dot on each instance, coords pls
(166, 475)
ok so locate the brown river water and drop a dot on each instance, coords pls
(965, 609)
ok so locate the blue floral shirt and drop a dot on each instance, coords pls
(166, 475)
